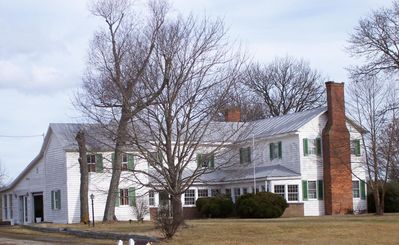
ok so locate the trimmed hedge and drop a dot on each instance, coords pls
(215, 207)
(260, 205)
(391, 200)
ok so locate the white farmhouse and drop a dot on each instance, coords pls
(311, 158)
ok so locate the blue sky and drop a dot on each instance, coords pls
(43, 48)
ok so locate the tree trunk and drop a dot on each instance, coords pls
(379, 210)
(121, 134)
(84, 178)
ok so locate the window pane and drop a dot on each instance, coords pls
(292, 192)
(312, 190)
(202, 193)
(189, 197)
(151, 198)
(280, 190)
(355, 189)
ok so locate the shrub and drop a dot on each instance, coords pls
(215, 207)
(391, 200)
(260, 205)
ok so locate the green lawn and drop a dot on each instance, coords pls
(348, 229)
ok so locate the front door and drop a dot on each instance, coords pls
(38, 207)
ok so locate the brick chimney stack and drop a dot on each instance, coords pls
(336, 154)
(232, 115)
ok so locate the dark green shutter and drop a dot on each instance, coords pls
(320, 189)
(132, 196)
(318, 146)
(99, 163)
(305, 147)
(117, 198)
(113, 157)
(199, 159)
(362, 190)
(357, 147)
(52, 200)
(130, 162)
(249, 154)
(271, 150)
(58, 199)
(241, 155)
(305, 190)
(280, 150)
(212, 161)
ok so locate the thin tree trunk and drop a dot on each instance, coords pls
(84, 180)
(109, 212)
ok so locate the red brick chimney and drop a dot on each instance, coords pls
(232, 115)
(336, 154)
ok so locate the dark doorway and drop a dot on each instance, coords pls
(38, 207)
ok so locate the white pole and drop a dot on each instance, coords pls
(253, 159)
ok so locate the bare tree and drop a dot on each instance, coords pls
(376, 41)
(371, 107)
(193, 58)
(3, 176)
(140, 209)
(115, 88)
(84, 177)
(285, 85)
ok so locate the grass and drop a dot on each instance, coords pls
(350, 229)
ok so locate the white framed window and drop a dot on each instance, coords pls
(215, 192)
(245, 155)
(275, 149)
(91, 162)
(228, 192)
(124, 196)
(244, 190)
(124, 161)
(312, 189)
(206, 160)
(151, 198)
(356, 189)
(189, 197)
(202, 193)
(293, 193)
(237, 193)
(279, 190)
(56, 199)
(311, 146)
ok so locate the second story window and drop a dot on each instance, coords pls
(124, 162)
(206, 160)
(311, 146)
(355, 147)
(91, 163)
(275, 149)
(154, 158)
(245, 155)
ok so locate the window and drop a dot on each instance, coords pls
(237, 193)
(215, 192)
(124, 162)
(263, 188)
(355, 189)
(245, 155)
(206, 160)
(280, 190)
(151, 198)
(124, 196)
(154, 158)
(228, 192)
(91, 162)
(202, 193)
(275, 150)
(312, 190)
(56, 200)
(312, 146)
(355, 147)
(244, 191)
(292, 192)
(5, 207)
(189, 197)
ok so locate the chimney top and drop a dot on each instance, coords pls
(232, 114)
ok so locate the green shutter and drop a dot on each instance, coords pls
(249, 154)
(318, 146)
(320, 189)
(117, 198)
(99, 163)
(130, 162)
(357, 147)
(113, 157)
(58, 196)
(212, 161)
(280, 150)
(362, 190)
(241, 155)
(52, 200)
(199, 159)
(305, 190)
(305, 147)
(132, 196)
(271, 150)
